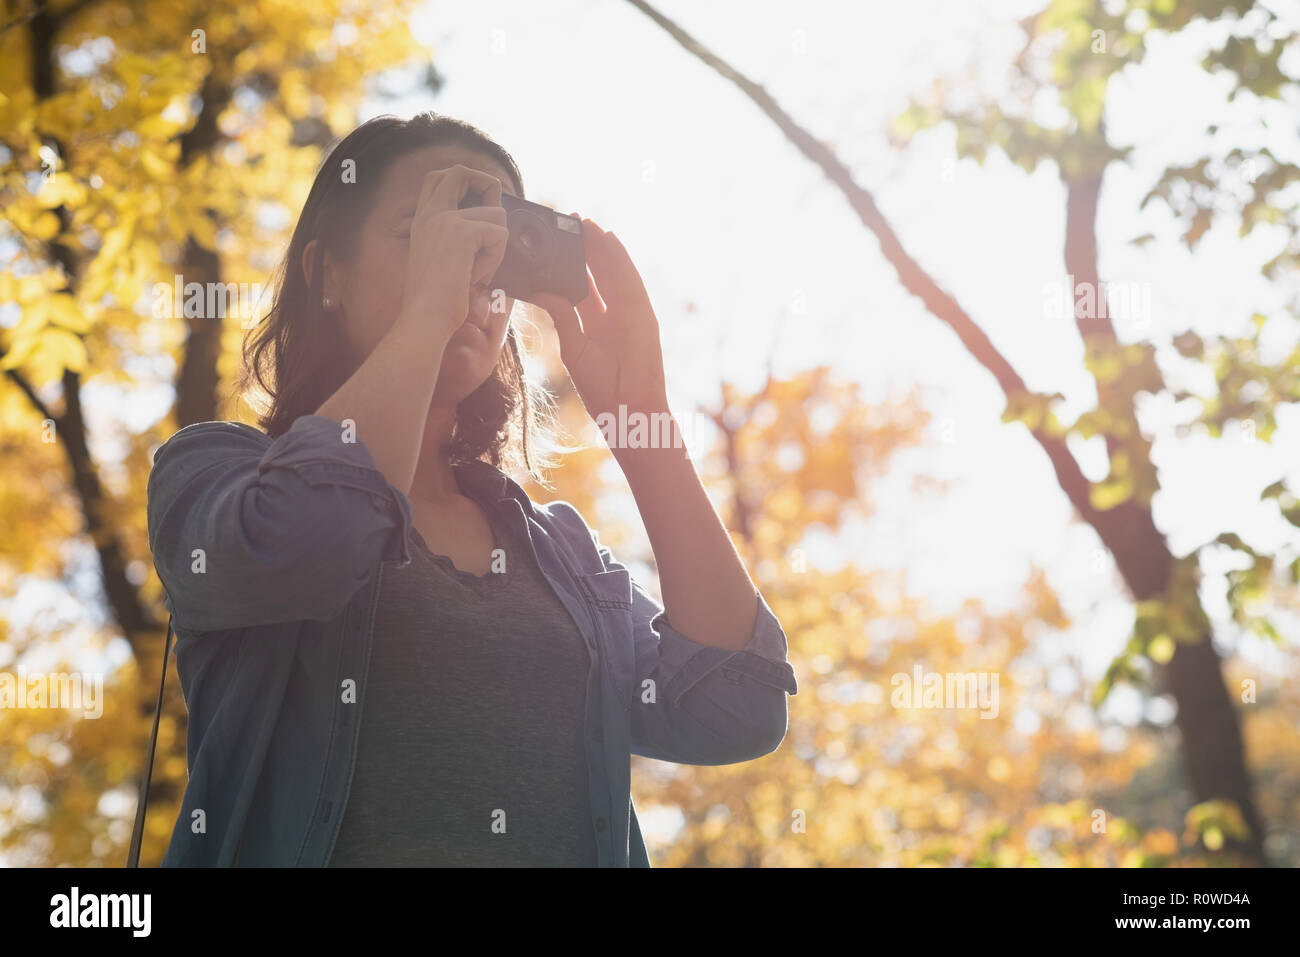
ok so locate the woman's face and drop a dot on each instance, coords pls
(369, 289)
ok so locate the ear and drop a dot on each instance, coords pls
(309, 254)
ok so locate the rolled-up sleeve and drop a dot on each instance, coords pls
(248, 530)
(698, 703)
(685, 662)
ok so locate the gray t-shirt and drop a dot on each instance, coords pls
(473, 713)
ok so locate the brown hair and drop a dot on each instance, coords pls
(297, 357)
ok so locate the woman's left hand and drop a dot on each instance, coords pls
(610, 342)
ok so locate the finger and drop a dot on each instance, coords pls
(488, 225)
(568, 326)
(616, 278)
(492, 242)
(593, 310)
(593, 306)
(456, 182)
(490, 192)
(486, 214)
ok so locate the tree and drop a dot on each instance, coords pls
(1172, 635)
(142, 141)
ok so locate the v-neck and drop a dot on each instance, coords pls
(489, 580)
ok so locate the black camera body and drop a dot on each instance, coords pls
(544, 253)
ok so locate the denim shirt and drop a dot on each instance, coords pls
(271, 552)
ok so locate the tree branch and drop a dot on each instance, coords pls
(910, 273)
(32, 397)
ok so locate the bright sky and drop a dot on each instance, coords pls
(607, 115)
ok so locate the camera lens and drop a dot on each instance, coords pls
(529, 237)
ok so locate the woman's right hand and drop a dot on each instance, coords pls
(454, 252)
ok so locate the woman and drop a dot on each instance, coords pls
(389, 654)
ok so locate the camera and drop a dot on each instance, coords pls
(544, 253)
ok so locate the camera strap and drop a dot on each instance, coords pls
(133, 857)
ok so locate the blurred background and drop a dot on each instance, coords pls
(981, 320)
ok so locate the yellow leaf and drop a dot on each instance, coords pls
(116, 241)
(157, 127)
(45, 226)
(58, 350)
(156, 166)
(97, 280)
(34, 315)
(61, 190)
(31, 287)
(19, 352)
(65, 311)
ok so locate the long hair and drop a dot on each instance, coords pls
(297, 357)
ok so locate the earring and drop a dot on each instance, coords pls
(327, 302)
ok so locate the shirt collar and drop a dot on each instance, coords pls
(488, 485)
